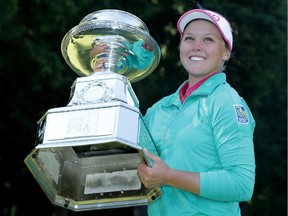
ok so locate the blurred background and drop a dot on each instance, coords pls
(34, 78)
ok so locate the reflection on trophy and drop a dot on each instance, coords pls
(87, 153)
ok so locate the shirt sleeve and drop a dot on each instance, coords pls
(233, 126)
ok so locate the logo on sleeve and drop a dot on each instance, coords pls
(241, 114)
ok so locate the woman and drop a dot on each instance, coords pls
(203, 132)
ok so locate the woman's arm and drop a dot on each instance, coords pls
(160, 174)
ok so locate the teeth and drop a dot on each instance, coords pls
(196, 58)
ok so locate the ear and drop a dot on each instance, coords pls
(226, 55)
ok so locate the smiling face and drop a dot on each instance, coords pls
(202, 50)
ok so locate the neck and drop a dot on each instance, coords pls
(193, 81)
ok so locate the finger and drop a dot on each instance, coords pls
(141, 165)
(150, 155)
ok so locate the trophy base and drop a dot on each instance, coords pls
(86, 157)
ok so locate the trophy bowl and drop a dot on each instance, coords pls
(114, 39)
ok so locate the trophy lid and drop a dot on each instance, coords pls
(111, 40)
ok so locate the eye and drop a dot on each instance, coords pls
(208, 39)
(188, 38)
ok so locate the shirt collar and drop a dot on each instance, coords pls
(185, 91)
(205, 88)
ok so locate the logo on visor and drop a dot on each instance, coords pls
(241, 114)
(216, 18)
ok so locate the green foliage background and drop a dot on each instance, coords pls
(35, 78)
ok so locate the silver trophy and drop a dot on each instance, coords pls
(87, 153)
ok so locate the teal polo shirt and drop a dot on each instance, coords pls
(210, 133)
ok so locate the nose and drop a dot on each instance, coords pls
(197, 45)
